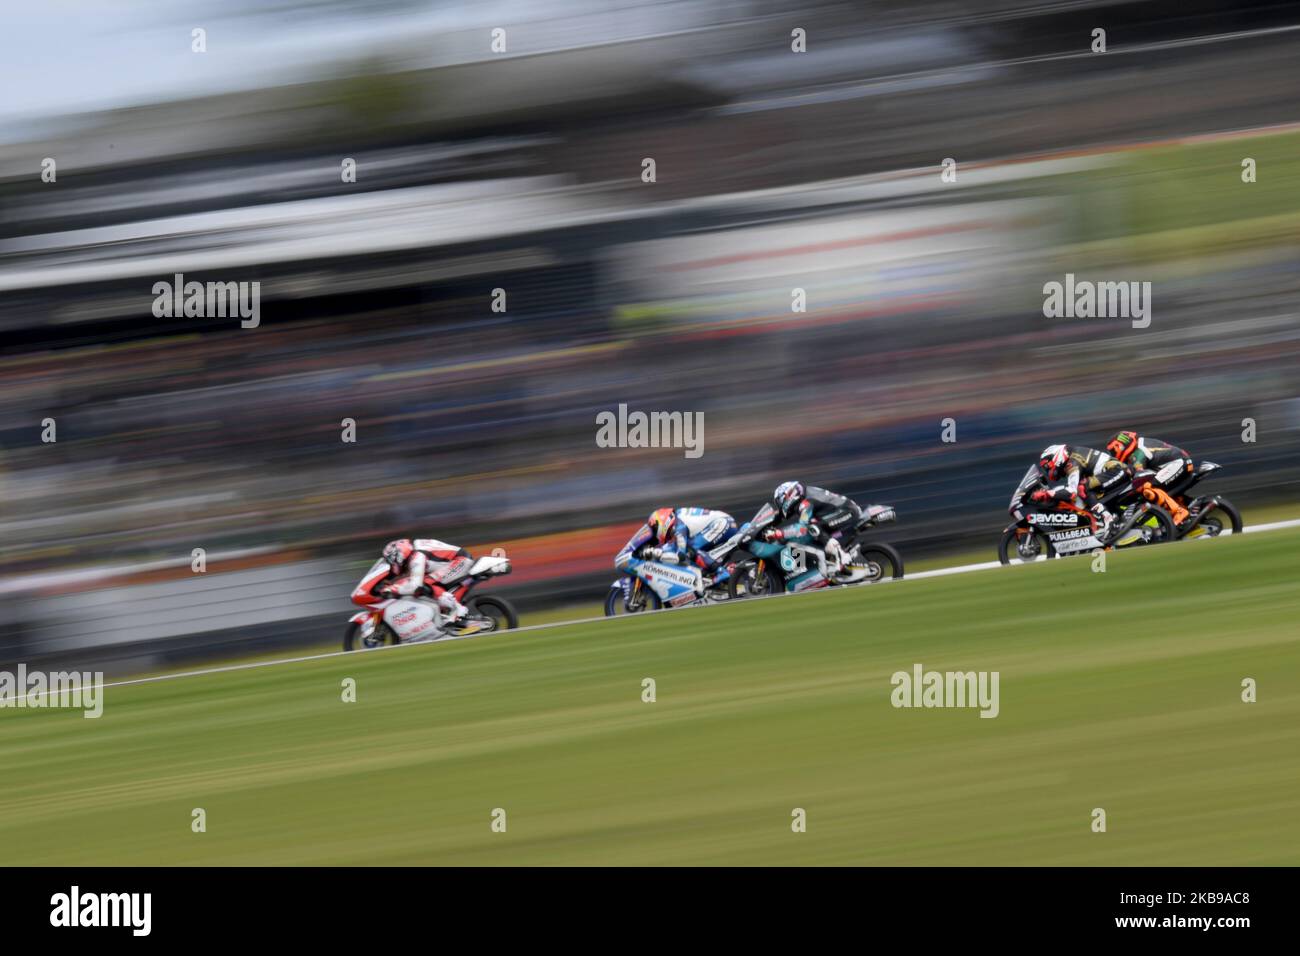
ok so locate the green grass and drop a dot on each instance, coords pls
(1118, 690)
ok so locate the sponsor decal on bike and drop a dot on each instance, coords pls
(815, 580)
(1073, 543)
(1169, 472)
(670, 575)
(457, 568)
(1070, 534)
(1053, 517)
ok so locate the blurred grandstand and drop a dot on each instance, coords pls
(521, 172)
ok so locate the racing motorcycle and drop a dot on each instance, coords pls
(775, 567)
(1209, 516)
(1049, 532)
(648, 585)
(412, 620)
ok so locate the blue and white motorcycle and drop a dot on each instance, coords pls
(648, 585)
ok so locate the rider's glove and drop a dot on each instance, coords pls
(387, 593)
(424, 591)
(774, 534)
(1042, 494)
(654, 554)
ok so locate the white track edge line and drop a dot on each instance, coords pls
(227, 668)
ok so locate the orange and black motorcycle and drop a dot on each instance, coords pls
(1208, 516)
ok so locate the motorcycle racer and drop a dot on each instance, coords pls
(805, 507)
(1072, 476)
(1174, 468)
(682, 536)
(418, 568)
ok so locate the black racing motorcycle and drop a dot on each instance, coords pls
(1052, 532)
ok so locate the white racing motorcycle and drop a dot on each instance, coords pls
(410, 620)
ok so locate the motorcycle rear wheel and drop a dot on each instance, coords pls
(499, 610)
(883, 561)
(1222, 518)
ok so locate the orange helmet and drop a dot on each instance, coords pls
(1122, 445)
(661, 522)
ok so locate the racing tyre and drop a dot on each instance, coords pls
(747, 581)
(643, 599)
(381, 635)
(498, 610)
(1221, 518)
(1020, 545)
(882, 562)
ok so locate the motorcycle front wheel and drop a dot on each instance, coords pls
(381, 635)
(1020, 545)
(641, 599)
(747, 581)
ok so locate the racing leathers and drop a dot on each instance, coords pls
(693, 533)
(1083, 476)
(816, 518)
(417, 568)
(1173, 467)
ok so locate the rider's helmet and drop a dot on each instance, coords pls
(1122, 445)
(661, 522)
(396, 553)
(787, 496)
(1053, 460)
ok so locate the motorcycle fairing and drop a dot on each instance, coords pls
(412, 618)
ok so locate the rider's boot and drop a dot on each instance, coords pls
(836, 553)
(469, 623)
(1105, 520)
(459, 617)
